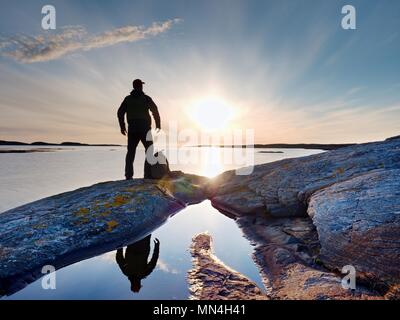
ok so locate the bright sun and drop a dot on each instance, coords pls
(211, 114)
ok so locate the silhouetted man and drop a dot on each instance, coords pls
(136, 106)
(135, 265)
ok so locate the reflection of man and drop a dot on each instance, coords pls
(134, 265)
(136, 106)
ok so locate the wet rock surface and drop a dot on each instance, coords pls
(211, 279)
(311, 216)
(283, 188)
(358, 223)
(307, 218)
(72, 226)
(287, 253)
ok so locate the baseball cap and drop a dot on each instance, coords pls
(137, 82)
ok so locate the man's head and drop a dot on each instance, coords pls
(136, 284)
(138, 84)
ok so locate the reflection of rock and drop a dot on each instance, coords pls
(210, 279)
(72, 226)
(286, 251)
(352, 195)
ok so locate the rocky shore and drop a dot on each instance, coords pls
(308, 218)
(311, 216)
(80, 224)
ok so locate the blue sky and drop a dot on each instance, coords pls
(287, 68)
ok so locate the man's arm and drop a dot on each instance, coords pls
(121, 116)
(153, 262)
(154, 112)
(120, 257)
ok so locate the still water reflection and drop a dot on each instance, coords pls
(134, 263)
(101, 277)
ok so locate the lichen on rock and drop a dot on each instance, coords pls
(79, 224)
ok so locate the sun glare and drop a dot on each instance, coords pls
(211, 114)
(211, 162)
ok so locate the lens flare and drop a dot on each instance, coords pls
(211, 114)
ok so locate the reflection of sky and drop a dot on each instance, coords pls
(287, 67)
(100, 278)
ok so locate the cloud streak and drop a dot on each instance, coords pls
(30, 49)
(163, 266)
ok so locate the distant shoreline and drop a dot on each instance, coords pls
(67, 143)
(318, 146)
(29, 150)
(263, 151)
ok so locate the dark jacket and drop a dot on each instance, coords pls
(136, 106)
(135, 263)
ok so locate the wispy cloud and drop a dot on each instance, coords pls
(30, 49)
(163, 266)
